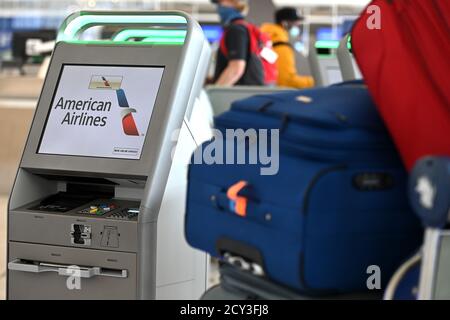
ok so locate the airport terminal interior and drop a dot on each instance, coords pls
(101, 198)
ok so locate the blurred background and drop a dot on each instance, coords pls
(325, 19)
(23, 23)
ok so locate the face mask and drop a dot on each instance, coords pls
(227, 14)
(294, 32)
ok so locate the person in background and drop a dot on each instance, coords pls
(287, 21)
(235, 64)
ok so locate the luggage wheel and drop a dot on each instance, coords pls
(244, 264)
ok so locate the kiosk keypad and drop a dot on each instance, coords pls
(95, 208)
(125, 214)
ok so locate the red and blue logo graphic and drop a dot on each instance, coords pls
(106, 82)
(128, 123)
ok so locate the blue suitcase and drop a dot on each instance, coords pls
(336, 206)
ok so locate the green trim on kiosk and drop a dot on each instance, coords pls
(349, 43)
(78, 22)
(327, 44)
(144, 42)
(163, 41)
(164, 34)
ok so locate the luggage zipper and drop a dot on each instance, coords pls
(341, 118)
(265, 106)
(313, 182)
(305, 209)
(301, 120)
(315, 144)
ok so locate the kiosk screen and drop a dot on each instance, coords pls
(101, 111)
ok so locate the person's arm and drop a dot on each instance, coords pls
(288, 72)
(232, 73)
(236, 42)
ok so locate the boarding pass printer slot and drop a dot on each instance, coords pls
(64, 270)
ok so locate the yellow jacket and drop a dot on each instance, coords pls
(287, 70)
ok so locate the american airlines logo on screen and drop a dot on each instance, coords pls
(105, 82)
(101, 111)
(114, 83)
(128, 123)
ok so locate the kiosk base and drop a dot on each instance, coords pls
(60, 225)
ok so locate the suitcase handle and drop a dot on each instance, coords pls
(221, 202)
(234, 199)
(256, 211)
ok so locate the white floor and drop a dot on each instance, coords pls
(3, 204)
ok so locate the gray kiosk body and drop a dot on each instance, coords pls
(325, 68)
(97, 207)
(348, 65)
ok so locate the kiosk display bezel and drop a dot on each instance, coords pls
(58, 84)
(100, 55)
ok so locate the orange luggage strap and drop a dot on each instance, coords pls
(238, 204)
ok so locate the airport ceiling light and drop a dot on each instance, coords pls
(327, 44)
(80, 21)
(165, 35)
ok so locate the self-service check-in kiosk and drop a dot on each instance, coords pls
(97, 207)
(324, 64)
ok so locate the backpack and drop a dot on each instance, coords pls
(260, 48)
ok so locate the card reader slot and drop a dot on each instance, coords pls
(62, 202)
(65, 270)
